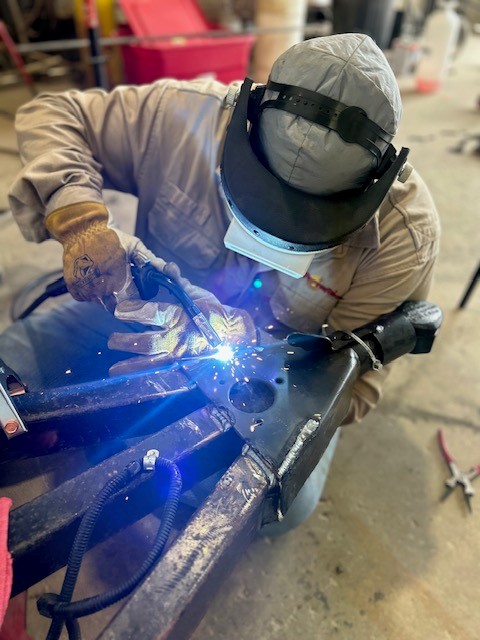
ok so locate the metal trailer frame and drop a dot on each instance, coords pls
(260, 425)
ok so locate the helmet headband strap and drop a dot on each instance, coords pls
(351, 123)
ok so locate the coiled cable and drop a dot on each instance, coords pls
(59, 607)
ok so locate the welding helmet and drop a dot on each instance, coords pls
(308, 158)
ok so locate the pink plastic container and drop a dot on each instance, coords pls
(224, 58)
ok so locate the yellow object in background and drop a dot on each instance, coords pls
(107, 24)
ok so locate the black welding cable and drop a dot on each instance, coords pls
(53, 289)
(79, 547)
(9, 152)
(73, 629)
(60, 606)
(96, 603)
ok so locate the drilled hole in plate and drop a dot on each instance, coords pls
(253, 396)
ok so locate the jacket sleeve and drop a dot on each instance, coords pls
(401, 270)
(367, 390)
(72, 144)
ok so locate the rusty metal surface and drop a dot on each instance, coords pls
(192, 570)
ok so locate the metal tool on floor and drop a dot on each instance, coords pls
(458, 478)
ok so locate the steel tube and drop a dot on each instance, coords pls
(41, 532)
(177, 593)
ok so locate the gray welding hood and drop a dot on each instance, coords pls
(275, 210)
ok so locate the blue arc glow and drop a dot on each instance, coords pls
(224, 353)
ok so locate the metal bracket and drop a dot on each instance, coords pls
(10, 385)
(149, 459)
(10, 420)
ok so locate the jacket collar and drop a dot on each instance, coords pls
(368, 237)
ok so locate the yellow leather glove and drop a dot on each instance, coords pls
(172, 333)
(96, 257)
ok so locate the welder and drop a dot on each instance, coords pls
(284, 206)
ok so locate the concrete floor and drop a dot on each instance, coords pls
(380, 558)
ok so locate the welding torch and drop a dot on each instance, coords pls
(148, 281)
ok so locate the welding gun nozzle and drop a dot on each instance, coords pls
(206, 329)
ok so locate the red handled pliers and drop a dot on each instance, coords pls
(464, 479)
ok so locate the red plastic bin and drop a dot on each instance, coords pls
(223, 58)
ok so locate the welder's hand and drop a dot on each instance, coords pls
(172, 333)
(97, 257)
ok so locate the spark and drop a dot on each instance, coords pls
(224, 353)
(256, 423)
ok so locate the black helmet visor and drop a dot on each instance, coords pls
(282, 216)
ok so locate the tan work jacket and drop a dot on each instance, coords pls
(163, 143)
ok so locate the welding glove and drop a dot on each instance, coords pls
(172, 333)
(97, 257)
